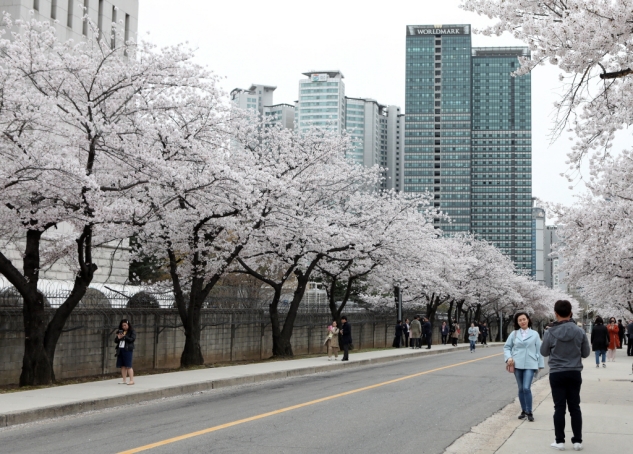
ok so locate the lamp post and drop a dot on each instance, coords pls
(397, 294)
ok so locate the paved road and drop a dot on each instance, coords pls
(426, 412)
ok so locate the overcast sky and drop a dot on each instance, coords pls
(273, 41)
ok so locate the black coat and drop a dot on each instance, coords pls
(599, 338)
(399, 330)
(621, 332)
(426, 328)
(129, 338)
(346, 334)
(629, 328)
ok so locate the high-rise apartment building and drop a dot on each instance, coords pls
(321, 101)
(468, 135)
(375, 129)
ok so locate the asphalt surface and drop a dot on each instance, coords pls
(421, 414)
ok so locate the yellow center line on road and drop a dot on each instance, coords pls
(294, 407)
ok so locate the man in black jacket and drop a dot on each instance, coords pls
(629, 328)
(565, 344)
(426, 332)
(346, 337)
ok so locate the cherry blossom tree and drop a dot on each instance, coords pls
(75, 159)
(320, 212)
(590, 40)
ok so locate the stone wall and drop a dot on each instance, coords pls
(86, 348)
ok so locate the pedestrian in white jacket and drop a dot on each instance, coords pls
(522, 352)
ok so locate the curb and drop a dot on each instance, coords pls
(56, 411)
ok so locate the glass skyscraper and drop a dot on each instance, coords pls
(468, 135)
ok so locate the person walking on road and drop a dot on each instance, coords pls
(427, 332)
(566, 345)
(455, 332)
(444, 331)
(346, 337)
(331, 341)
(124, 341)
(629, 333)
(473, 335)
(600, 341)
(398, 337)
(620, 333)
(614, 339)
(484, 335)
(522, 352)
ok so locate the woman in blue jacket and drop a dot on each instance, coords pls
(522, 350)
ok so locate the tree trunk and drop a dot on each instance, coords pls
(37, 367)
(192, 353)
(40, 334)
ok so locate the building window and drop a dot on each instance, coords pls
(113, 39)
(127, 28)
(85, 19)
(100, 18)
(69, 20)
(54, 9)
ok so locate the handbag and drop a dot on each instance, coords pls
(510, 367)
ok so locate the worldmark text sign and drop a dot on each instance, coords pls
(415, 30)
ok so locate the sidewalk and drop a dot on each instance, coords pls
(34, 405)
(607, 410)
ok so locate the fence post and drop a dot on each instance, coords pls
(104, 350)
(155, 349)
(373, 334)
(360, 336)
(309, 336)
(232, 338)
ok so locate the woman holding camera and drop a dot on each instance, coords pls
(124, 341)
(522, 352)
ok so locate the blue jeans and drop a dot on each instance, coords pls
(472, 344)
(524, 381)
(604, 356)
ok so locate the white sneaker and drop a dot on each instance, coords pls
(558, 446)
(577, 446)
(329, 359)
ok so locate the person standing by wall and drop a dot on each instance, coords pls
(398, 337)
(331, 341)
(427, 332)
(614, 339)
(445, 332)
(566, 345)
(405, 332)
(620, 332)
(416, 332)
(522, 352)
(473, 335)
(455, 332)
(600, 341)
(124, 340)
(629, 333)
(346, 337)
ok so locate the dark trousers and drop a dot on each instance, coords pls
(566, 394)
(444, 338)
(426, 340)
(415, 342)
(621, 341)
(454, 341)
(484, 340)
(345, 352)
(406, 339)
(629, 349)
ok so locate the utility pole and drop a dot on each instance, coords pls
(397, 293)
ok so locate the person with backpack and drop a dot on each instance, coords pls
(522, 353)
(566, 345)
(600, 341)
